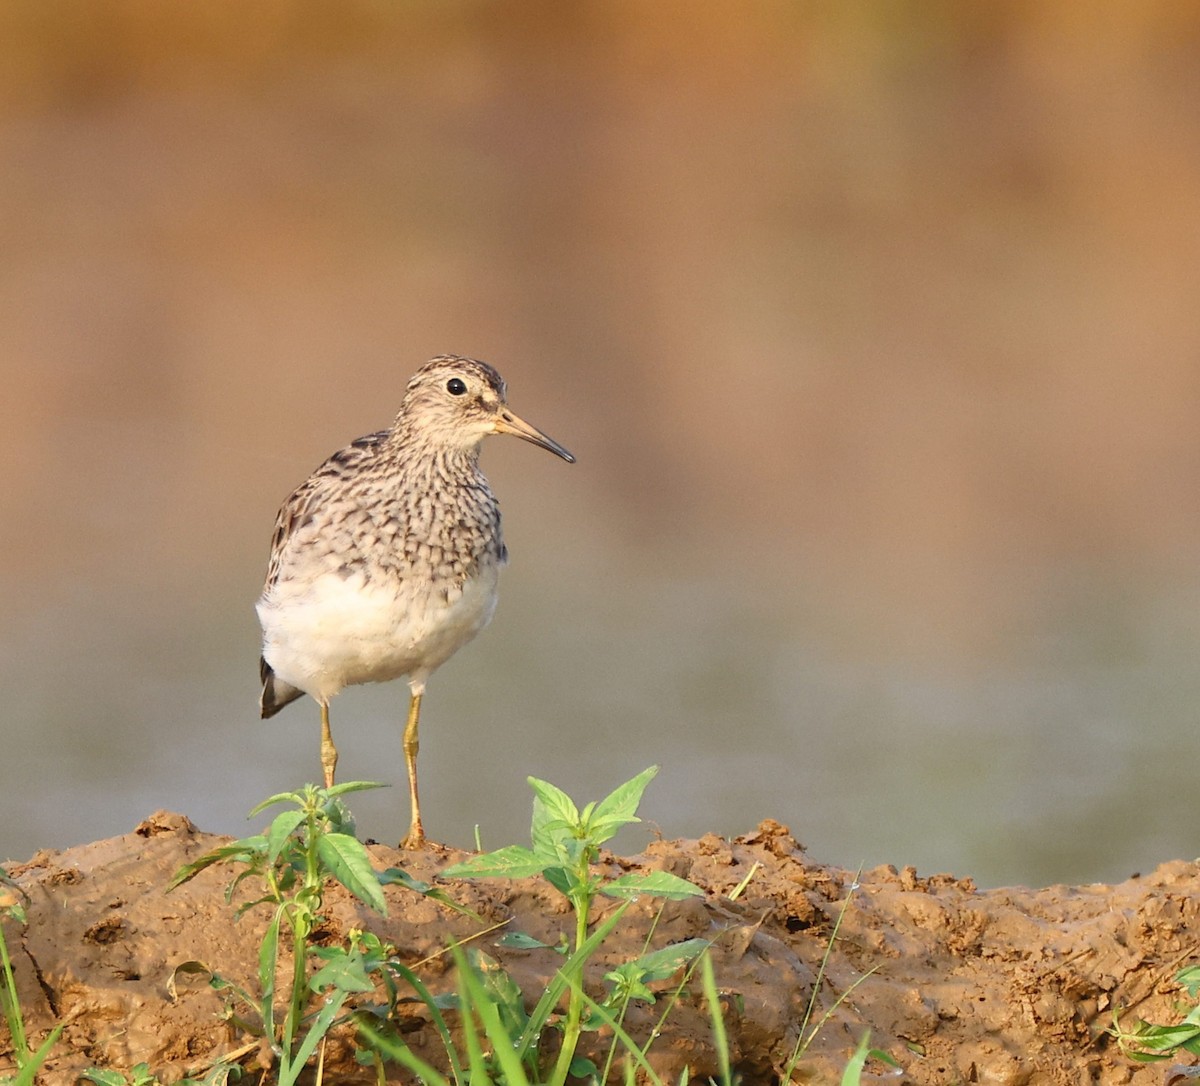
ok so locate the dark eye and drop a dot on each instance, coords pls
(456, 386)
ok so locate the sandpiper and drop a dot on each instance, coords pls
(384, 561)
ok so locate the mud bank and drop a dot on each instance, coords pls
(1005, 986)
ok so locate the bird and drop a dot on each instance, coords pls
(384, 562)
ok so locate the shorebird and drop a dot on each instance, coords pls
(384, 561)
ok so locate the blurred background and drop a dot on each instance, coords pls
(874, 329)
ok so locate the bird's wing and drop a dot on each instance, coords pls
(308, 497)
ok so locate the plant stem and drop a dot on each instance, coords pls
(300, 920)
(582, 900)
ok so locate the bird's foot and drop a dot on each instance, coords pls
(415, 838)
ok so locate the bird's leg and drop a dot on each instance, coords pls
(328, 750)
(416, 832)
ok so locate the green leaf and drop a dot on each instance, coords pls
(189, 968)
(553, 813)
(660, 964)
(342, 971)
(502, 990)
(476, 1002)
(884, 1057)
(628, 988)
(561, 879)
(1190, 979)
(338, 817)
(104, 1077)
(395, 876)
(1165, 1038)
(279, 797)
(620, 806)
(582, 1067)
(217, 1075)
(518, 940)
(852, 1075)
(511, 862)
(268, 954)
(346, 859)
(246, 850)
(606, 828)
(629, 979)
(623, 801)
(280, 831)
(354, 786)
(245, 907)
(652, 883)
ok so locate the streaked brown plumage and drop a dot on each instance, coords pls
(384, 561)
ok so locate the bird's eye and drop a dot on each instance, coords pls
(456, 386)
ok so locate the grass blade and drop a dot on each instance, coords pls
(435, 1014)
(708, 982)
(475, 999)
(27, 1076)
(405, 1056)
(319, 1028)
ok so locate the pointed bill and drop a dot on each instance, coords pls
(509, 423)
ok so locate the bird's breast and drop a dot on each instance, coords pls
(371, 590)
(356, 625)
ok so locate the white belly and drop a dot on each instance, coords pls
(340, 631)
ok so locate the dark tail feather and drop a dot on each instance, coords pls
(275, 692)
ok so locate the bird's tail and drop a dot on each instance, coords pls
(275, 692)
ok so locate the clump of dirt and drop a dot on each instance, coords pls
(1007, 986)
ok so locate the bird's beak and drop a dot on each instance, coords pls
(508, 423)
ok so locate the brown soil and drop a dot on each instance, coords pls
(996, 986)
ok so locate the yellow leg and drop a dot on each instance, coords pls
(328, 750)
(416, 832)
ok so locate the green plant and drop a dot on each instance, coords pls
(809, 1030)
(1147, 1042)
(853, 1071)
(138, 1075)
(141, 1075)
(492, 1056)
(305, 845)
(28, 1061)
(565, 845)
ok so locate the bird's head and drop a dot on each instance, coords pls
(457, 402)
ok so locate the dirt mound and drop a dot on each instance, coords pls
(1002, 986)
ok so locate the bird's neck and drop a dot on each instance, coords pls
(417, 457)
